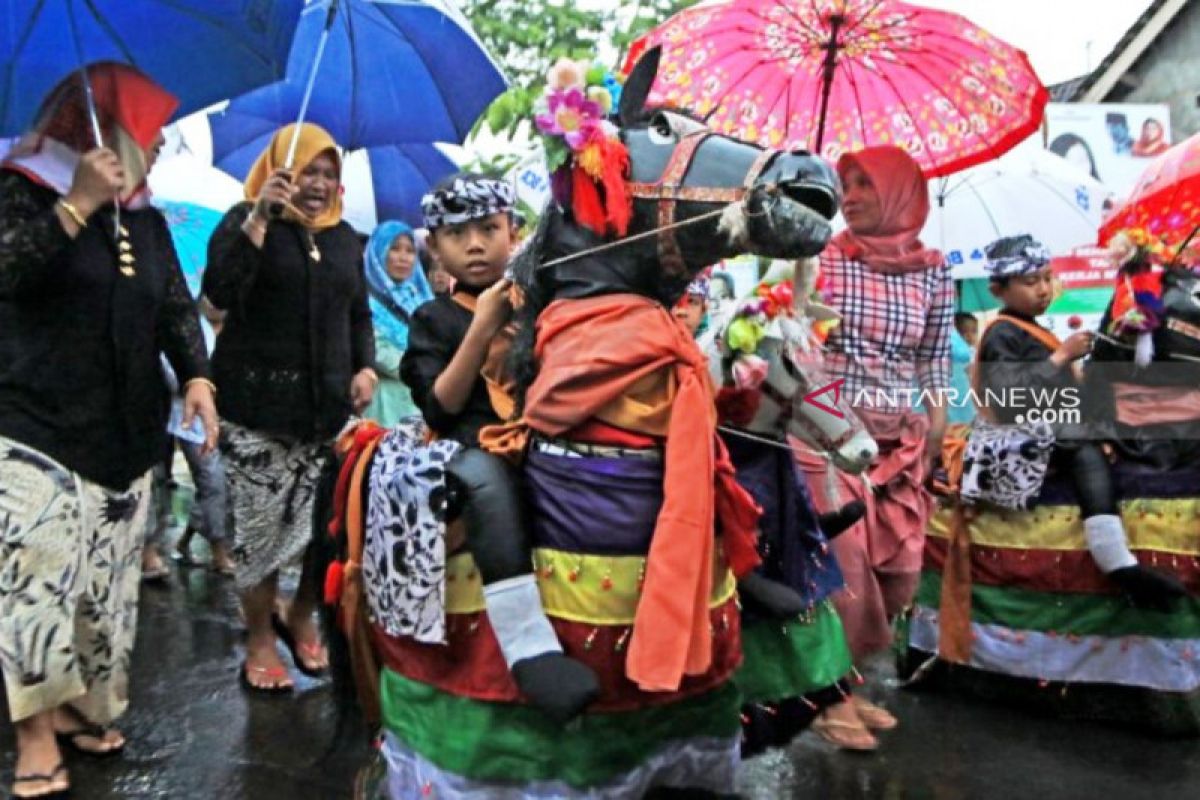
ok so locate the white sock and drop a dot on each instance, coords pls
(1106, 542)
(514, 608)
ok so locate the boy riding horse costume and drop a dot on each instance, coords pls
(635, 528)
(1015, 600)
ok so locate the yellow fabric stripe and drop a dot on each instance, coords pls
(1167, 526)
(604, 589)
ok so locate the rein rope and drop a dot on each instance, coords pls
(639, 236)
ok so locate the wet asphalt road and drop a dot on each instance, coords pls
(194, 733)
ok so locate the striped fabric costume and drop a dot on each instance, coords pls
(1028, 596)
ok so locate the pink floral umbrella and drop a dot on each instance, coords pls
(1165, 203)
(836, 76)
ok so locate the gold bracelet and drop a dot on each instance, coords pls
(372, 374)
(73, 213)
(212, 386)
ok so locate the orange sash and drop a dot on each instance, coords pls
(623, 359)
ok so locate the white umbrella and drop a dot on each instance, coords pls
(1029, 191)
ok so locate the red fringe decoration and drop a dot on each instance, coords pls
(617, 200)
(604, 207)
(737, 406)
(333, 583)
(586, 204)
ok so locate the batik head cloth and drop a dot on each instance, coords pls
(1013, 256)
(466, 199)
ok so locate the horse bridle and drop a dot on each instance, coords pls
(788, 415)
(669, 190)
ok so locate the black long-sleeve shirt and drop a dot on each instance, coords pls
(80, 376)
(434, 335)
(298, 328)
(1016, 368)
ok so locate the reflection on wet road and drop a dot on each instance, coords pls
(194, 733)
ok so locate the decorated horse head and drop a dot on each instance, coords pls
(767, 348)
(1145, 365)
(1155, 310)
(645, 199)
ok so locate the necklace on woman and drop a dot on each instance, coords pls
(313, 251)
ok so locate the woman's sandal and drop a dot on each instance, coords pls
(92, 731)
(833, 730)
(54, 794)
(874, 717)
(309, 650)
(273, 674)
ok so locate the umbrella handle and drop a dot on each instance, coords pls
(89, 99)
(312, 82)
(276, 209)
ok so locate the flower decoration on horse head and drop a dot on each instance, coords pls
(787, 306)
(588, 163)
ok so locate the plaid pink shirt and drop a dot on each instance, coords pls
(894, 333)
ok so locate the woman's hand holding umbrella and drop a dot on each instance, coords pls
(98, 178)
(276, 193)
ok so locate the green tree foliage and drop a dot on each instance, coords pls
(528, 36)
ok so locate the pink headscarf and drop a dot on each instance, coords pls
(904, 201)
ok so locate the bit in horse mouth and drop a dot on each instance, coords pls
(816, 196)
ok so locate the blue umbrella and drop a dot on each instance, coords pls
(392, 72)
(203, 51)
(400, 174)
(191, 227)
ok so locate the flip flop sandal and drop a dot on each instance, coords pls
(57, 794)
(227, 572)
(274, 674)
(829, 730)
(297, 649)
(183, 558)
(71, 739)
(874, 717)
(156, 576)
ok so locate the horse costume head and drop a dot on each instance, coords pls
(645, 200)
(768, 348)
(1155, 310)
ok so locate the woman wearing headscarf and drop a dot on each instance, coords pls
(90, 293)
(397, 286)
(293, 362)
(892, 349)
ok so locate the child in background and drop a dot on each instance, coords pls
(692, 308)
(963, 340)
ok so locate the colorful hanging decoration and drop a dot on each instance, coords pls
(588, 163)
(1137, 308)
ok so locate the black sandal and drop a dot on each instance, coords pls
(92, 731)
(57, 794)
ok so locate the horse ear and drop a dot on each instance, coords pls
(637, 87)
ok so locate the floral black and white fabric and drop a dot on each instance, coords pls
(404, 556)
(71, 551)
(272, 483)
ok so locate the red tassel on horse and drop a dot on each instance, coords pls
(586, 203)
(618, 203)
